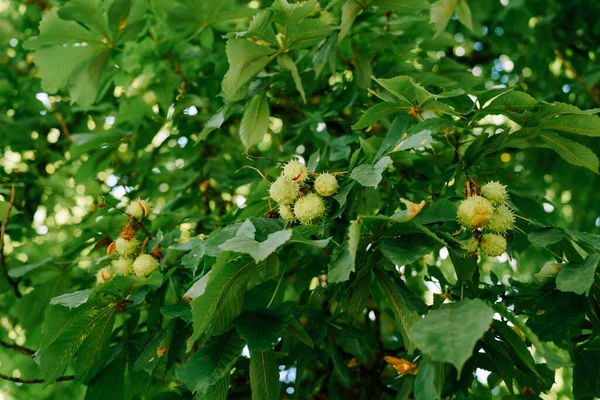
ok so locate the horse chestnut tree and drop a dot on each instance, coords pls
(299, 199)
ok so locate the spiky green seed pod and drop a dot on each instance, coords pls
(326, 185)
(502, 219)
(474, 212)
(144, 265)
(126, 247)
(123, 266)
(284, 190)
(493, 245)
(286, 213)
(296, 171)
(104, 274)
(309, 208)
(139, 208)
(494, 192)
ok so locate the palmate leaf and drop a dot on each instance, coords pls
(71, 56)
(370, 175)
(86, 329)
(578, 278)
(246, 60)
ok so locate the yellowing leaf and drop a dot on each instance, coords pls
(402, 366)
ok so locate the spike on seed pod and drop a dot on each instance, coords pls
(474, 212)
(285, 212)
(296, 171)
(494, 192)
(123, 266)
(126, 247)
(493, 245)
(502, 219)
(309, 208)
(103, 275)
(326, 185)
(284, 190)
(144, 265)
(139, 209)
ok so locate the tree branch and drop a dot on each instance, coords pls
(17, 348)
(13, 284)
(570, 68)
(63, 125)
(35, 380)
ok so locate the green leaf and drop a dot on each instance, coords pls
(211, 363)
(429, 381)
(255, 121)
(357, 298)
(261, 28)
(72, 300)
(149, 357)
(441, 12)
(442, 210)
(66, 331)
(571, 151)
(418, 140)
(261, 329)
(350, 11)
(450, 333)
(64, 61)
(401, 5)
(511, 100)
(546, 236)
(264, 376)
(463, 13)
(286, 62)
(344, 257)
(246, 59)
(24, 269)
(402, 87)
(464, 265)
(371, 174)
(221, 302)
(306, 33)
(298, 331)
(405, 314)
(587, 125)
(407, 249)
(578, 278)
(243, 243)
(379, 112)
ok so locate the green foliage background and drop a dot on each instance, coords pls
(106, 101)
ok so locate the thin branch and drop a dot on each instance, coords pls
(63, 126)
(135, 221)
(13, 284)
(35, 380)
(250, 157)
(570, 68)
(17, 348)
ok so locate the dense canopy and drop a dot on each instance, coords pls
(299, 199)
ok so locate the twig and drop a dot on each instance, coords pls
(17, 348)
(13, 284)
(63, 125)
(130, 217)
(257, 170)
(35, 380)
(177, 69)
(570, 68)
(248, 156)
